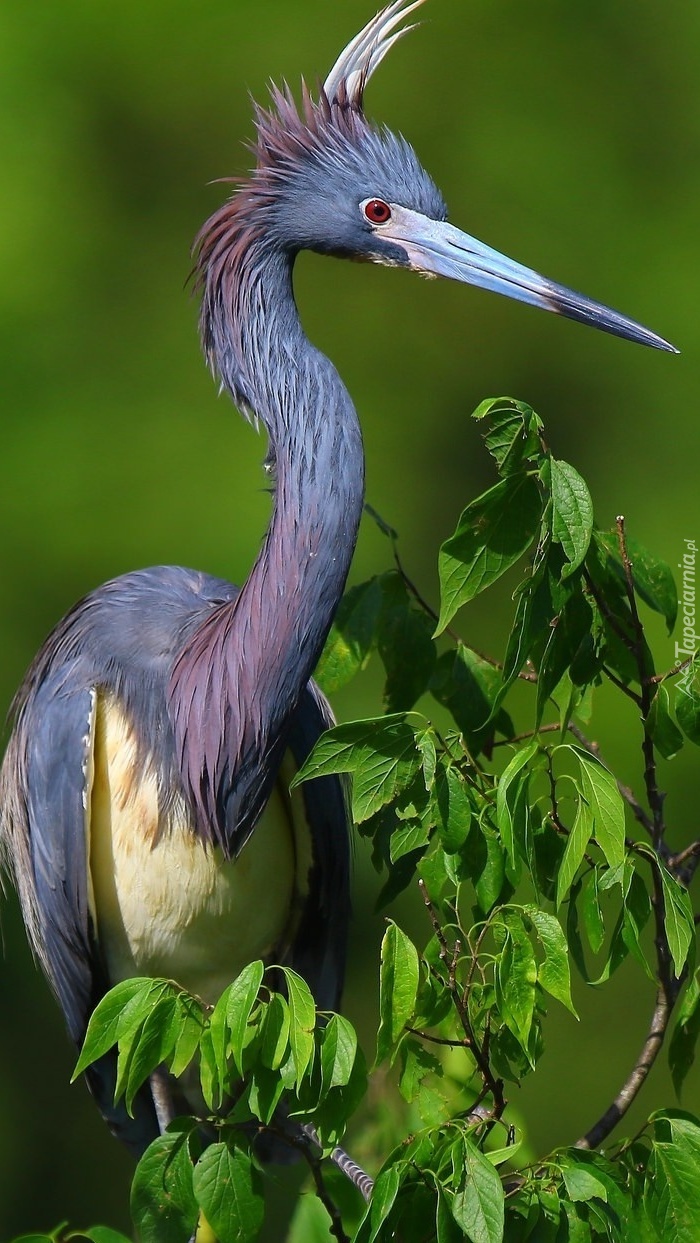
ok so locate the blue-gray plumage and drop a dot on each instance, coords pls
(144, 805)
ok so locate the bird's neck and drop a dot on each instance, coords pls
(252, 660)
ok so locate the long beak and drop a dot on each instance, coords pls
(436, 248)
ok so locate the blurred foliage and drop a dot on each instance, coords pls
(567, 135)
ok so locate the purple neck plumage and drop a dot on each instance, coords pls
(239, 680)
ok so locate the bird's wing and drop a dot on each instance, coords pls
(58, 759)
(318, 951)
(58, 780)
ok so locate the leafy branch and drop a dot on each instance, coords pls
(498, 810)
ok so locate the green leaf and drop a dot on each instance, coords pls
(679, 921)
(469, 686)
(96, 1234)
(492, 534)
(384, 1193)
(381, 753)
(666, 735)
(489, 876)
(553, 973)
(208, 1074)
(653, 579)
(534, 610)
(417, 1063)
(398, 989)
(512, 437)
(454, 807)
(156, 1042)
(101, 1234)
(148, 1036)
(42, 1238)
(275, 1033)
(605, 801)
(506, 798)
(516, 978)
(577, 1228)
(228, 1189)
(163, 1204)
(107, 1020)
(575, 849)
(265, 1091)
(567, 632)
(302, 1013)
(338, 1051)
(446, 1228)
(426, 744)
(405, 646)
(681, 1051)
(688, 702)
(408, 836)
(241, 997)
(352, 636)
(672, 1185)
(636, 910)
(582, 1184)
(190, 1021)
(572, 514)
(592, 913)
(478, 1206)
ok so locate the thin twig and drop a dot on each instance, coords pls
(430, 611)
(449, 957)
(528, 733)
(464, 1043)
(607, 613)
(622, 686)
(657, 1030)
(684, 864)
(671, 673)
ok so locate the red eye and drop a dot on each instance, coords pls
(377, 211)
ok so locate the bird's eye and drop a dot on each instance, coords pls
(376, 211)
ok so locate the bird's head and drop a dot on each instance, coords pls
(327, 180)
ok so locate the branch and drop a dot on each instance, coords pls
(528, 733)
(430, 612)
(344, 1162)
(667, 993)
(450, 957)
(683, 865)
(657, 1030)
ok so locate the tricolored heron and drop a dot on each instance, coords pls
(145, 813)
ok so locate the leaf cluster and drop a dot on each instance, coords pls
(539, 874)
(258, 1065)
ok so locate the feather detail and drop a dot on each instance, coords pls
(357, 62)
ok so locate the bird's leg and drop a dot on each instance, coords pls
(345, 1164)
(162, 1097)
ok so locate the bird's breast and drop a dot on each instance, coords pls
(165, 903)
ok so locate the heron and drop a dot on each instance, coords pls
(145, 813)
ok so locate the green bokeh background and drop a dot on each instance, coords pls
(564, 132)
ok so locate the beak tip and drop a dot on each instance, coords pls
(660, 343)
